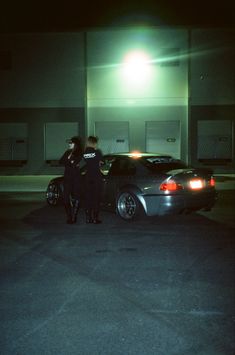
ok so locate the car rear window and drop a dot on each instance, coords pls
(162, 163)
(122, 166)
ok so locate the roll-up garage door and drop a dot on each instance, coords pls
(113, 136)
(163, 137)
(14, 141)
(214, 140)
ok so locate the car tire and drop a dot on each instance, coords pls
(53, 194)
(128, 206)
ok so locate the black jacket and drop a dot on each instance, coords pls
(71, 163)
(93, 158)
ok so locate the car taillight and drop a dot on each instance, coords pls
(212, 181)
(170, 185)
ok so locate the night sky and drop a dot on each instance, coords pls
(51, 16)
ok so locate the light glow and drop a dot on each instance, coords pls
(135, 155)
(136, 67)
(196, 184)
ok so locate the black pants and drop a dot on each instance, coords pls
(93, 193)
(71, 189)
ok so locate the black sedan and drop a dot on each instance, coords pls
(149, 184)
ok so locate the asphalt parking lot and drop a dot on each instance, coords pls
(159, 286)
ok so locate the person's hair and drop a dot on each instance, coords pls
(92, 140)
(78, 145)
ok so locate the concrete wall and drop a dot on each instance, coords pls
(47, 70)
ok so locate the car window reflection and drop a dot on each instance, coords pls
(122, 167)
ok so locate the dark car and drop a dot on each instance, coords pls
(150, 184)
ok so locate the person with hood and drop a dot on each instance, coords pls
(72, 177)
(93, 159)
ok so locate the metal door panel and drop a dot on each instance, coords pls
(214, 139)
(113, 136)
(13, 141)
(163, 137)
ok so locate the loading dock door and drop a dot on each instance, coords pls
(113, 136)
(163, 137)
(215, 140)
(14, 141)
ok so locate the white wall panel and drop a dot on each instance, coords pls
(106, 75)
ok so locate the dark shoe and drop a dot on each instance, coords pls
(69, 221)
(75, 211)
(88, 217)
(96, 219)
(68, 211)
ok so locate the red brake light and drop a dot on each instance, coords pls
(212, 181)
(170, 185)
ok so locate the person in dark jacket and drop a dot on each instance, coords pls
(93, 159)
(71, 159)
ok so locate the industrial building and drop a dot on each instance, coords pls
(154, 89)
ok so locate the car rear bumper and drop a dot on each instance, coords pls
(172, 204)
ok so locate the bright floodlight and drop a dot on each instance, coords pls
(136, 67)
